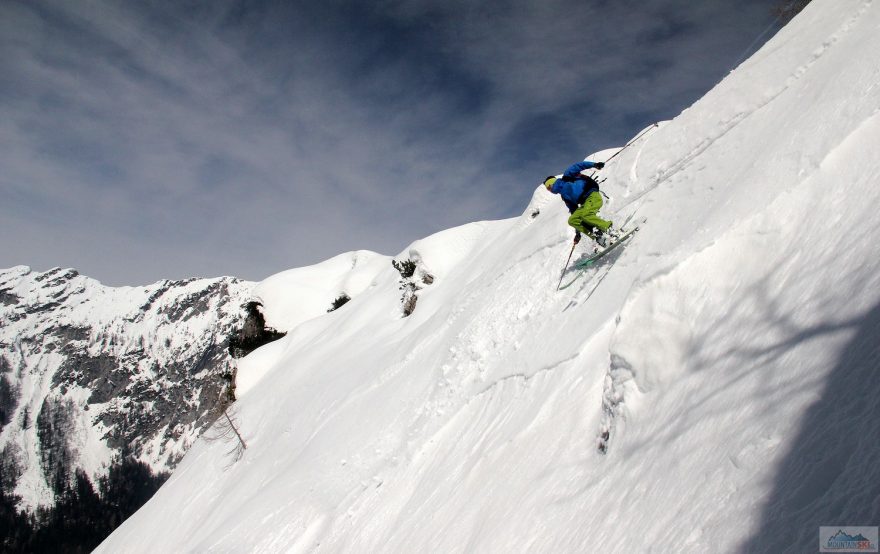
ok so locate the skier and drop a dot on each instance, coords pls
(583, 199)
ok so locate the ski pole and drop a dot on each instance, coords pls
(573, 244)
(633, 141)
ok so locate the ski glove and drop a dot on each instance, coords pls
(598, 165)
(577, 237)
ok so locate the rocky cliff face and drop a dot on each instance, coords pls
(89, 373)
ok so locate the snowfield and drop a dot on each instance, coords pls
(713, 386)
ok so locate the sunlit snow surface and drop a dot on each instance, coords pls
(730, 351)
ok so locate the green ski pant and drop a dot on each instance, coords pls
(584, 218)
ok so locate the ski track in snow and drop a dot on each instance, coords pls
(731, 123)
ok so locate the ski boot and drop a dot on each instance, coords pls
(607, 237)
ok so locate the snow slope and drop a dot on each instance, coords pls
(726, 360)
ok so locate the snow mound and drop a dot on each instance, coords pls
(297, 295)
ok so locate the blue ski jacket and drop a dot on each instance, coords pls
(574, 187)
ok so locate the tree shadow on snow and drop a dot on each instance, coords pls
(831, 475)
(744, 358)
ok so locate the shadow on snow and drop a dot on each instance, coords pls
(831, 475)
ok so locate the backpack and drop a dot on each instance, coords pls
(590, 185)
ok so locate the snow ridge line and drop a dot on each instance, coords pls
(736, 119)
(534, 207)
(488, 389)
(633, 170)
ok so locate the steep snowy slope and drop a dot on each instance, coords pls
(726, 361)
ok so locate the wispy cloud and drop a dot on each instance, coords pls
(148, 140)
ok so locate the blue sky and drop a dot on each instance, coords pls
(150, 140)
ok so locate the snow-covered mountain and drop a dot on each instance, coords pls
(89, 371)
(711, 387)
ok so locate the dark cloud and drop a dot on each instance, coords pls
(167, 139)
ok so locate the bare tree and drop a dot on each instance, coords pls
(226, 429)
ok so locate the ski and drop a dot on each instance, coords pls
(599, 254)
(583, 265)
